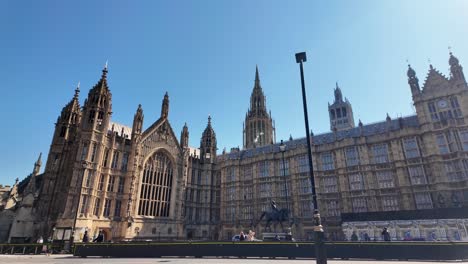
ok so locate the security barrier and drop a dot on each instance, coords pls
(339, 250)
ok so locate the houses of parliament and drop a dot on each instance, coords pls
(409, 174)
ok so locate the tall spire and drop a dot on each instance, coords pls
(257, 77)
(258, 130)
(77, 91)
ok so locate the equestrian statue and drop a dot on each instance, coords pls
(275, 215)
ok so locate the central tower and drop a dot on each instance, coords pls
(258, 127)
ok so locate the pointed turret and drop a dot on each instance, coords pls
(258, 129)
(413, 81)
(137, 121)
(165, 106)
(208, 144)
(37, 165)
(97, 109)
(69, 118)
(456, 70)
(184, 137)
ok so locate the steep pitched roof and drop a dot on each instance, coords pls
(434, 79)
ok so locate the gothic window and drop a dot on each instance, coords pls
(464, 139)
(417, 175)
(283, 167)
(124, 161)
(115, 160)
(333, 208)
(453, 171)
(306, 208)
(338, 113)
(433, 111)
(84, 151)
(442, 144)
(97, 204)
(327, 161)
(93, 152)
(247, 212)
(120, 188)
(343, 110)
(330, 184)
(248, 172)
(156, 186)
(456, 107)
(111, 183)
(385, 179)
(263, 169)
(231, 194)
(92, 113)
(411, 147)
(84, 204)
(356, 182)
(265, 190)
(88, 178)
(100, 117)
(63, 131)
(451, 141)
(199, 177)
(107, 206)
(285, 189)
(380, 153)
(248, 192)
(106, 158)
(352, 156)
(101, 183)
(423, 200)
(231, 174)
(359, 205)
(117, 209)
(305, 187)
(390, 203)
(332, 112)
(303, 164)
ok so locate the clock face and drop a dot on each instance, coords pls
(442, 103)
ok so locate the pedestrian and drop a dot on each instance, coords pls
(99, 238)
(354, 237)
(366, 237)
(241, 236)
(85, 237)
(386, 235)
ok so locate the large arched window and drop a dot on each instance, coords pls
(156, 186)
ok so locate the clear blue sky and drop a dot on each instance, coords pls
(204, 54)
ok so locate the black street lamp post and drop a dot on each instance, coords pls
(84, 165)
(320, 251)
(282, 147)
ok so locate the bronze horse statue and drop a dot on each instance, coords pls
(278, 216)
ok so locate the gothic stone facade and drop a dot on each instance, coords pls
(148, 184)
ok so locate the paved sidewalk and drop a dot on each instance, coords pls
(17, 259)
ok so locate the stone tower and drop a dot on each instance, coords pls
(59, 167)
(208, 144)
(341, 112)
(258, 127)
